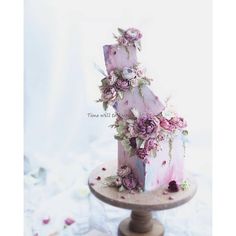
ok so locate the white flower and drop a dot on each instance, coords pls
(134, 82)
(169, 113)
(128, 73)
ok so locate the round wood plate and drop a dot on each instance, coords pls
(158, 199)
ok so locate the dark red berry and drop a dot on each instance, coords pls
(103, 168)
(173, 187)
(98, 178)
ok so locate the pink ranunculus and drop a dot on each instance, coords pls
(112, 78)
(108, 94)
(130, 182)
(132, 34)
(165, 124)
(150, 144)
(142, 153)
(123, 171)
(122, 84)
(147, 125)
(178, 122)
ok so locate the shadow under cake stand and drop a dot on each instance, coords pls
(140, 222)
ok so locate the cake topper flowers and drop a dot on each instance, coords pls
(129, 37)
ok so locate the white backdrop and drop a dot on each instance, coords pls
(63, 40)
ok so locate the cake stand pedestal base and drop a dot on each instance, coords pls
(140, 222)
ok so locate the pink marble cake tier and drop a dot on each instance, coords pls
(169, 162)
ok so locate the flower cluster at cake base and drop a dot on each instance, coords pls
(142, 135)
(124, 180)
(119, 81)
(129, 37)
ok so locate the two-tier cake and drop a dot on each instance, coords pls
(151, 137)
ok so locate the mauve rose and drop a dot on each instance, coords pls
(150, 144)
(178, 122)
(123, 171)
(132, 142)
(111, 79)
(142, 153)
(165, 124)
(129, 182)
(147, 125)
(108, 94)
(122, 84)
(132, 34)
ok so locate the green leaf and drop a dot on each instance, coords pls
(117, 137)
(105, 105)
(104, 81)
(121, 31)
(121, 94)
(140, 90)
(121, 188)
(139, 142)
(185, 132)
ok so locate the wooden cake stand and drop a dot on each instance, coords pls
(140, 222)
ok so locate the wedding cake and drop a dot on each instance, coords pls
(151, 136)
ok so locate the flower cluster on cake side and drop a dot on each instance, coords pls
(118, 81)
(141, 135)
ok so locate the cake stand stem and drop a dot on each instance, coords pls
(141, 223)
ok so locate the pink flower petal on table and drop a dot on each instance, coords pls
(45, 221)
(69, 221)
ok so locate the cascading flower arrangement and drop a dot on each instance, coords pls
(129, 37)
(141, 135)
(119, 81)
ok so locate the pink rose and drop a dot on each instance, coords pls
(147, 125)
(129, 182)
(150, 144)
(108, 94)
(122, 84)
(132, 34)
(178, 122)
(123, 171)
(165, 124)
